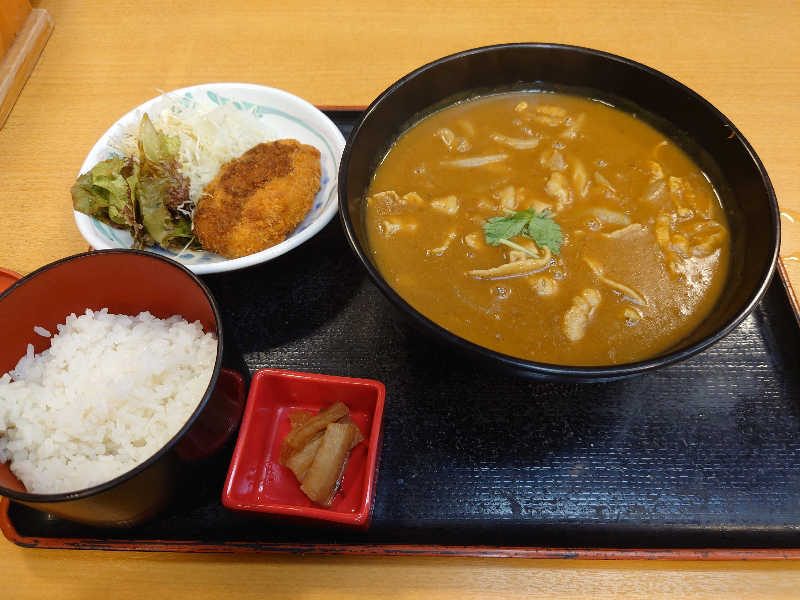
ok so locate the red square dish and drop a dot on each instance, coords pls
(257, 482)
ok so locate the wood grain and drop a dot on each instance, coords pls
(89, 574)
(12, 17)
(21, 58)
(104, 58)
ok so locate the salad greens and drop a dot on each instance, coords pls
(145, 194)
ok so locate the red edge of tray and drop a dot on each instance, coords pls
(715, 554)
(8, 278)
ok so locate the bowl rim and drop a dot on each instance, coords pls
(585, 373)
(326, 127)
(30, 497)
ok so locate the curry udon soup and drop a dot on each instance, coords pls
(549, 227)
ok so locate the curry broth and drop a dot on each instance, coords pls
(645, 249)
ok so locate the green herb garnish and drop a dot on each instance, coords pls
(540, 227)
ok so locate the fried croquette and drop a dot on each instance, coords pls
(258, 198)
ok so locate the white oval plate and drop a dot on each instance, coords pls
(287, 116)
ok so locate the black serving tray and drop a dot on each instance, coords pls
(701, 454)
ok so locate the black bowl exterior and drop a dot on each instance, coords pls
(136, 499)
(682, 114)
(142, 492)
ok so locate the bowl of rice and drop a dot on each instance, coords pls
(111, 381)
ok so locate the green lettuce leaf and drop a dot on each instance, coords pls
(163, 191)
(107, 192)
(147, 194)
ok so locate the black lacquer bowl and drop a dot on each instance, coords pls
(684, 116)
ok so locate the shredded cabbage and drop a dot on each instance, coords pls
(210, 135)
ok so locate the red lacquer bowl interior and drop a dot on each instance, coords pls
(125, 282)
(257, 482)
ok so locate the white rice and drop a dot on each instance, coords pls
(108, 394)
(41, 331)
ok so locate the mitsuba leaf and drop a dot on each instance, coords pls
(503, 228)
(540, 227)
(545, 232)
